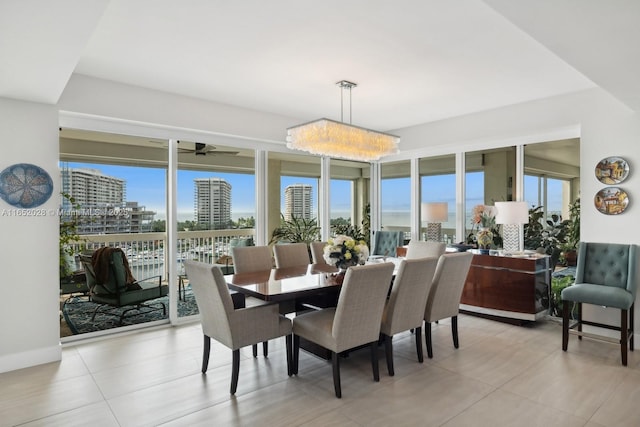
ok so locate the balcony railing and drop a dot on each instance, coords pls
(146, 251)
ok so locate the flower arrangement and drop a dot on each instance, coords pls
(344, 251)
(484, 216)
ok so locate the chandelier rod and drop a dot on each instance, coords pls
(345, 84)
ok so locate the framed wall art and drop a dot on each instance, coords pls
(611, 201)
(612, 170)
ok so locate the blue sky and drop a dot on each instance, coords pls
(147, 186)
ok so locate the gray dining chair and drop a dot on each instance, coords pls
(355, 321)
(420, 249)
(291, 254)
(444, 297)
(250, 259)
(404, 309)
(234, 328)
(317, 252)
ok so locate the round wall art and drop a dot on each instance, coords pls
(24, 185)
(612, 170)
(611, 200)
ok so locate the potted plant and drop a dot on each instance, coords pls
(572, 235)
(296, 230)
(70, 281)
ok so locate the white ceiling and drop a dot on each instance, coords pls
(414, 61)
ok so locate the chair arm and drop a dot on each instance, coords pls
(150, 279)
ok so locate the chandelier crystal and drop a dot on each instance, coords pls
(330, 138)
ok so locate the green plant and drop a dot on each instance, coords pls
(557, 285)
(296, 230)
(354, 231)
(572, 237)
(69, 237)
(545, 236)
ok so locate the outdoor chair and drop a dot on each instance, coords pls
(317, 252)
(234, 328)
(354, 322)
(605, 276)
(291, 254)
(405, 307)
(428, 249)
(112, 285)
(386, 242)
(446, 291)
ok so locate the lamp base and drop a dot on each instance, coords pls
(511, 237)
(434, 231)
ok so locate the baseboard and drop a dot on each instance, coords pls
(26, 359)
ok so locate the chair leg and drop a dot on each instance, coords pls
(565, 324)
(374, 361)
(335, 361)
(289, 344)
(255, 350)
(454, 331)
(624, 335)
(388, 353)
(419, 344)
(579, 319)
(235, 370)
(427, 339)
(205, 353)
(296, 354)
(265, 348)
(631, 320)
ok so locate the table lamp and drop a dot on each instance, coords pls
(512, 215)
(434, 213)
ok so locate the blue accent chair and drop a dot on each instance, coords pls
(605, 276)
(386, 242)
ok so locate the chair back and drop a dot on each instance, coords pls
(360, 304)
(428, 249)
(213, 300)
(291, 254)
(448, 283)
(405, 307)
(90, 275)
(386, 242)
(607, 264)
(317, 252)
(110, 270)
(248, 259)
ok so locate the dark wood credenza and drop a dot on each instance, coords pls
(507, 287)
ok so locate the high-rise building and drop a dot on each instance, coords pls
(99, 205)
(212, 203)
(298, 201)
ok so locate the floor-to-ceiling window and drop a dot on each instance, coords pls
(437, 188)
(395, 196)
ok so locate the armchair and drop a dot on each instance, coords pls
(386, 242)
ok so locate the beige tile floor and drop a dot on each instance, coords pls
(502, 375)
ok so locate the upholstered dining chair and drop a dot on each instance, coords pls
(386, 242)
(444, 297)
(235, 328)
(404, 309)
(291, 254)
(605, 276)
(355, 321)
(317, 252)
(250, 259)
(420, 249)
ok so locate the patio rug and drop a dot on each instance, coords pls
(77, 312)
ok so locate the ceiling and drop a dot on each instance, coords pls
(414, 61)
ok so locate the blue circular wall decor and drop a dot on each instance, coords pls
(24, 185)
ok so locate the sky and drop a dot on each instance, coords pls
(147, 186)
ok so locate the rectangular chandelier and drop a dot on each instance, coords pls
(330, 138)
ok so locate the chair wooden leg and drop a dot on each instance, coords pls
(255, 350)
(206, 350)
(388, 353)
(335, 361)
(265, 348)
(289, 344)
(427, 339)
(624, 335)
(374, 361)
(419, 344)
(295, 355)
(565, 324)
(454, 331)
(631, 321)
(235, 370)
(579, 319)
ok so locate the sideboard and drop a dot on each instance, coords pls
(515, 288)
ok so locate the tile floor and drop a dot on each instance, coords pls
(502, 375)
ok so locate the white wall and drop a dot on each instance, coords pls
(29, 330)
(29, 310)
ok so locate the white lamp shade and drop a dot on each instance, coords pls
(434, 212)
(512, 212)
